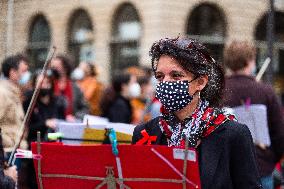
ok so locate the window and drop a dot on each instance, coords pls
(80, 37)
(126, 33)
(39, 42)
(206, 23)
(278, 51)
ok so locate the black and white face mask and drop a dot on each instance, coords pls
(174, 95)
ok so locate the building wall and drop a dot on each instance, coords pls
(159, 18)
(3, 13)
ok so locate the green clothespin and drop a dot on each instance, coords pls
(54, 136)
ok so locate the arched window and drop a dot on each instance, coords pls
(207, 24)
(39, 41)
(278, 51)
(80, 37)
(126, 33)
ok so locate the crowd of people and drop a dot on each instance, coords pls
(68, 94)
(181, 97)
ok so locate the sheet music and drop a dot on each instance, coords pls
(122, 127)
(93, 131)
(255, 117)
(96, 120)
(71, 130)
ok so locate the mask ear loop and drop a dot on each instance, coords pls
(193, 79)
(198, 94)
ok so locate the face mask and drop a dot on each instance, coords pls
(25, 78)
(253, 71)
(77, 74)
(134, 90)
(55, 73)
(174, 95)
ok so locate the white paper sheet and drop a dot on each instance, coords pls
(255, 117)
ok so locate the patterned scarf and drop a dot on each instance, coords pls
(201, 123)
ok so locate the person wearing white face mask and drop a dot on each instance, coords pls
(134, 90)
(137, 103)
(77, 74)
(91, 87)
(115, 104)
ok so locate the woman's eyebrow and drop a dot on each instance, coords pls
(177, 72)
(158, 72)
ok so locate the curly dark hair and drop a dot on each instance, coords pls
(195, 58)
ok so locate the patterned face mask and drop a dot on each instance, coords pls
(174, 95)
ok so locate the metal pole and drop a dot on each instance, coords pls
(9, 32)
(270, 40)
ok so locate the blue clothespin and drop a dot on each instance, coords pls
(113, 141)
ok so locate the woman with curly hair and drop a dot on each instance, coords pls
(190, 85)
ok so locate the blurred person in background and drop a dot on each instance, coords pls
(145, 106)
(89, 85)
(136, 102)
(43, 118)
(76, 106)
(11, 110)
(25, 80)
(154, 105)
(115, 104)
(46, 110)
(145, 99)
(240, 87)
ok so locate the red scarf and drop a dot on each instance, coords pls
(204, 121)
(67, 92)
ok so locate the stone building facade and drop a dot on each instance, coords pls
(118, 33)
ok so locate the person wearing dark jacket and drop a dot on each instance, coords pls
(241, 86)
(43, 118)
(8, 177)
(190, 84)
(47, 108)
(75, 104)
(115, 104)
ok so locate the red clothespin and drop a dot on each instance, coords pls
(146, 138)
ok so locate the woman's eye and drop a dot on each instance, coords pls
(177, 75)
(159, 77)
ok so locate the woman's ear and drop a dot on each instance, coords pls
(202, 82)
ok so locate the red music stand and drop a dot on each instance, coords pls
(95, 166)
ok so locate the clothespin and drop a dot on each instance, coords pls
(87, 123)
(26, 154)
(247, 103)
(113, 141)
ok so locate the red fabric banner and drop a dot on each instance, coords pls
(90, 161)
